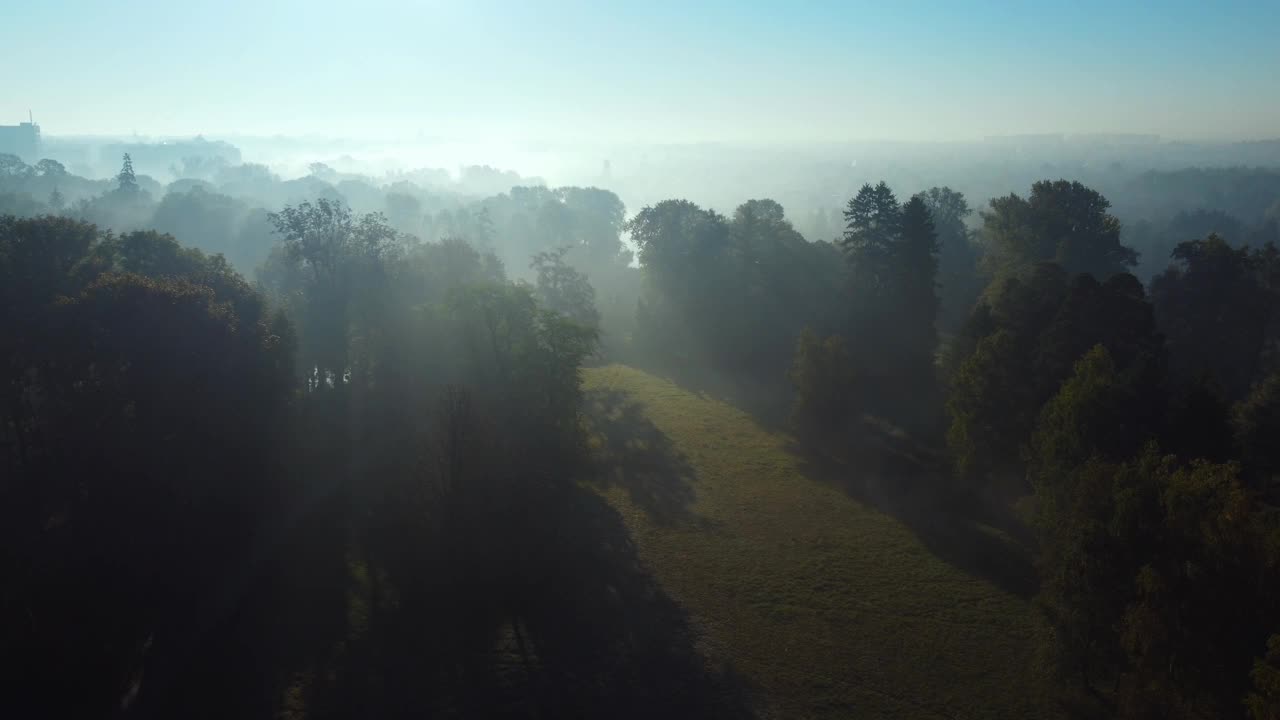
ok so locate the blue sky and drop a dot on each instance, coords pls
(655, 71)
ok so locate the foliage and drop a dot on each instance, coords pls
(1256, 421)
(731, 293)
(127, 181)
(1215, 306)
(892, 250)
(873, 224)
(565, 290)
(1198, 422)
(1149, 547)
(1263, 702)
(824, 384)
(327, 271)
(1060, 221)
(1048, 325)
(988, 409)
(144, 398)
(959, 283)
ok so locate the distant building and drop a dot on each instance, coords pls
(1116, 139)
(1027, 139)
(22, 140)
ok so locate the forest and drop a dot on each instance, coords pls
(353, 446)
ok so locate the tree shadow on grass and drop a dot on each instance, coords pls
(635, 455)
(911, 485)
(584, 630)
(609, 642)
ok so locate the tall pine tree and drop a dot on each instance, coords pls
(873, 223)
(894, 305)
(128, 182)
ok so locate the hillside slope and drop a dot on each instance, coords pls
(824, 597)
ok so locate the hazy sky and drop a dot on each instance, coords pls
(643, 71)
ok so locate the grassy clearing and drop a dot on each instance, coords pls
(823, 602)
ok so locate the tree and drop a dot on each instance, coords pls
(892, 251)
(528, 358)
(1095, 415)
(153, 446)
(565, 290)
(784, 286)
(1215, 307)
(1199, 425)
(1256, 420)
(958, 278)
(918, 259)
(324, 234)
(597, 218)
(823, 380)
(56, 200)
(1137, 558)
(126, 181)
(873, 224)
(50, 169)
(12, 166)
(1061, 221)
(989, 410)
(404, 212)
(208, 220)
(322, 171)
(333, 263)
(690, 281)
(1263, 702)
(1114, 314)
(1046, 325)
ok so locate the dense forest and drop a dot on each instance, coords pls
(322, 447)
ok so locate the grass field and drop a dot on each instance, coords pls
(826, 589)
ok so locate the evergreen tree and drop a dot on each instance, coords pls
(918, 265)
(128, 182)
(873, 224)
(894, 305)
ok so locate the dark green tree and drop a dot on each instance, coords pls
(1256, 420)
(989, 410)
(1061, 221)
(563, 289)
(918, 259)
(824, 383)
(873, 226)
(959, 282)
(331, 269)
(126, 181)
(137, 485)
(1214, 306)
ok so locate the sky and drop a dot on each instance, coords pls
(644, 72)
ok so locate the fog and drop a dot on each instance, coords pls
(653, 360)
